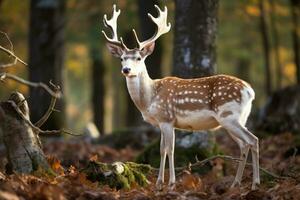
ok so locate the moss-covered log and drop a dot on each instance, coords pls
(23, 149)
(117, 175)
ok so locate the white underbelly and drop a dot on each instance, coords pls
(196, 120)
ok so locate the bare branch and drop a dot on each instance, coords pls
(51, 107)
(37, 129)
(10, 53)
(5, 75)
(203, 162)
(230, 158)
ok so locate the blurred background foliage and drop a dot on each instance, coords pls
(240, 51)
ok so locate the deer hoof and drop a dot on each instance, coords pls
(235, 183)
(254, 186)
(159, 184)
(171, 186)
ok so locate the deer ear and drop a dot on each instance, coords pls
(148, 49)
(115, 49)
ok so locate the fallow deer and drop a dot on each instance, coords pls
(190, 104)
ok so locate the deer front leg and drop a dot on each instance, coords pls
(169, 142)
(163, 153)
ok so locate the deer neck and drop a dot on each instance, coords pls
(140, 89)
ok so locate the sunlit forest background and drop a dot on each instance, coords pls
(240, 52)
(92, 143)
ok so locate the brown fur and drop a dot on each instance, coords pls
(175, 95)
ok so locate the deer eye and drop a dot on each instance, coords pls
(121, 59)
(139, 58)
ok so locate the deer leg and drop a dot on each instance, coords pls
(255, 163)
(240, 132)
(163, 152)
(169, 139)
(244, 148)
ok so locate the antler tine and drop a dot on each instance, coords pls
(136, 37)
(112, 24)
(162, 26)
(123, 44)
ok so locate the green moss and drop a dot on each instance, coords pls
(106, 174)
(267, 179)
(151, 154)
(183, 156)
(40, 166)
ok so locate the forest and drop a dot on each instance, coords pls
(90, 109)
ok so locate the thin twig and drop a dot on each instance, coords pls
(5, 75)
(271, 173)
(37, 129)
(50, 108)
(203, 162)
(230, 158)
(10, 53)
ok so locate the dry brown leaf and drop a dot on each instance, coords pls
(8, 196)
(94, 158)
(55, 165)
(192, 182)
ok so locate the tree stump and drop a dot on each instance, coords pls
(22, 144)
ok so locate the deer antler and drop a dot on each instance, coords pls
(162, 27)
(112, 24)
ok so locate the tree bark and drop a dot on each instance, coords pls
(195, 38)
(46, 53)
(195, 43)
(266, 47)
(23, 149)
(295, 6)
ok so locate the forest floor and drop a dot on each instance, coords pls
(277, 154)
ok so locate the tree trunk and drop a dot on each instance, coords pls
(97, 70)
(23, 149)
(243, 68)
(276, 45)
(195, 42)
(195, 38)
(148, 28)
(98, 91)
(295, 6)
(46, 52)
(266, 47)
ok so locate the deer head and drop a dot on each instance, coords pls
(133, 60)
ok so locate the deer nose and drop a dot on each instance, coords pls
(126, 70)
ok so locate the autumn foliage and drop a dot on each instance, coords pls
(68, 159)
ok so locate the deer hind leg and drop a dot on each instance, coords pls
(244, 148)
(167, 130)
(250, 140)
